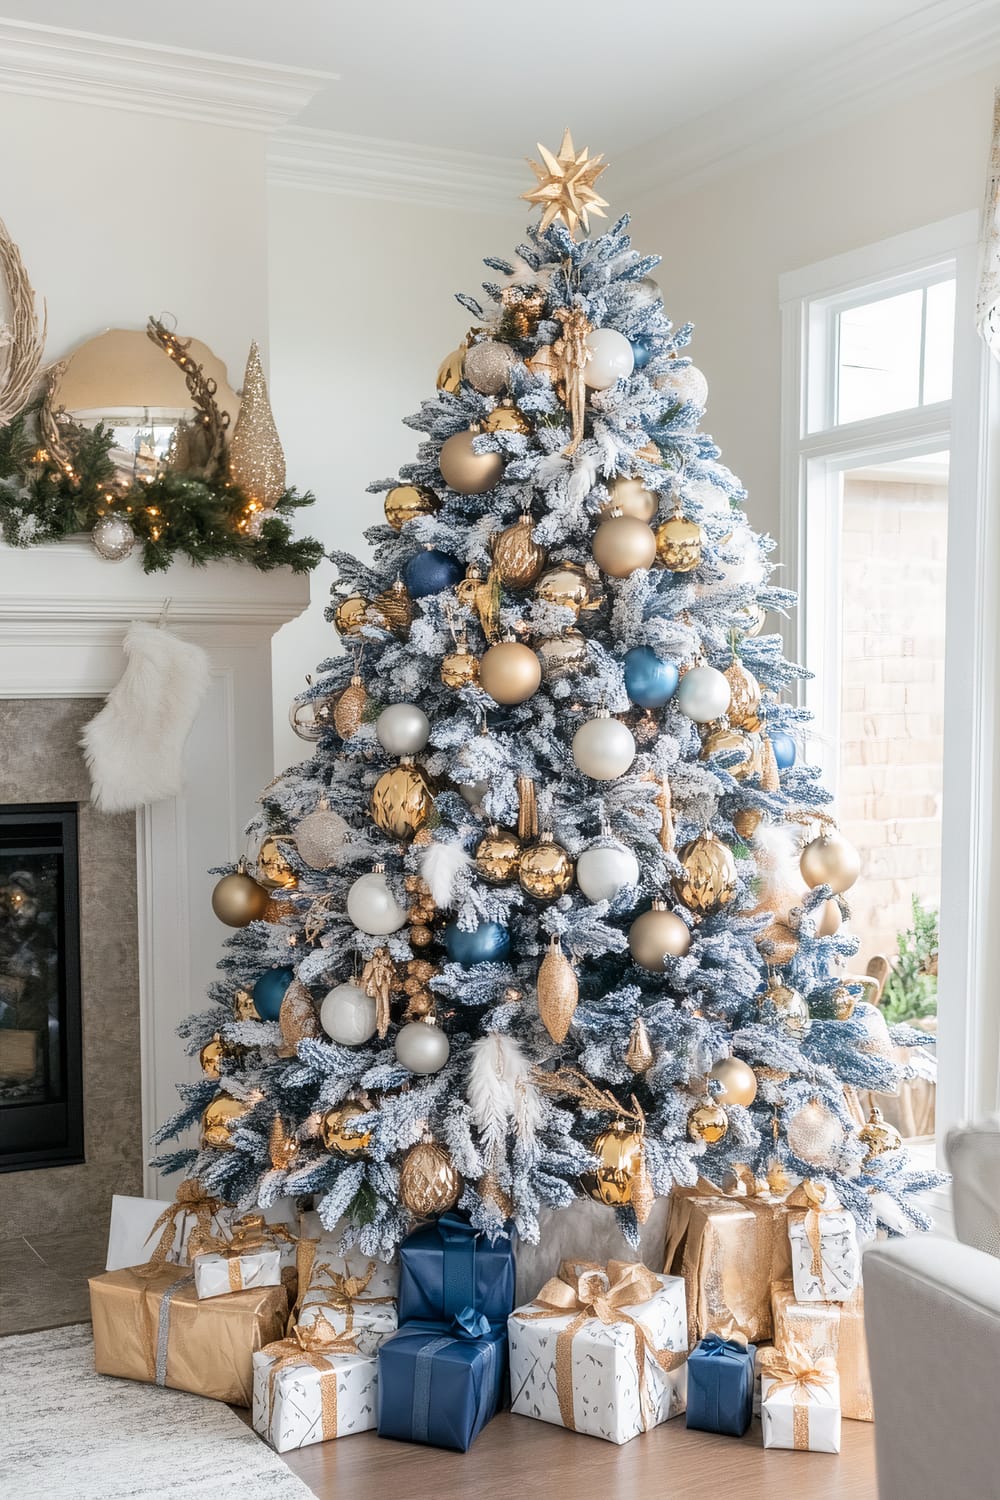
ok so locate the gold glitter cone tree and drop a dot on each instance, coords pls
(256, 457)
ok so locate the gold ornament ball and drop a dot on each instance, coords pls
(510, 672)
(429, 1182)
(350, 615)
(407, 501)
(562, 653)
(402, 800)
(738, 1080)
(829, 918)
(678, 544)
(238, 900)
(830, 860)
(815, 1134)
(790, 1008)
(506, 419)
(744, 697)
(842, 1003)
(619, 1149)
(656, 935)
(273, 870)
(708, 879)
(545, 870)
(878, 1136)
(708, 1122)
(459, 668)
(468, 472)
(732, 740)
(449, 375)
(335, 1133)
(569, 585)
(211, 1056)
(516, 556)
(632, 498)
(497, 856)
(218, 1119)
(622, 546)
(395, 607)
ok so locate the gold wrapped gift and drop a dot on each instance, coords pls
(834, 1330)
(729, 1251)
(153, 1328)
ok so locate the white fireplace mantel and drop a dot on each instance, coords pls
(63, 614)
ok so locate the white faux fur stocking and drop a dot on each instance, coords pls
(134, 747)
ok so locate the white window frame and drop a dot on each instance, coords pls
(814, 455)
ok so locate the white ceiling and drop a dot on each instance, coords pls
(453, 74)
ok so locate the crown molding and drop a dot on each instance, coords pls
(330, 161)
(936, 45)
(51, 63)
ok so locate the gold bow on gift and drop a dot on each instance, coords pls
(812, 1197)
(794, 1369)
(315, 1346)
(191, 1199)
(727, 1333)
(344, 1292)
(247, 1234)
(584, 1290)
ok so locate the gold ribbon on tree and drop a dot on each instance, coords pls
(584, 1291)
(794, 1369)
(315, 1346)
(812, 1196)
(249, 1233)
(191, 1199)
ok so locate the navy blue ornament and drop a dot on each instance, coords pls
(430, 572)
(642, 351)
(649, 680)
(488, 944)
(269, 991)
(784, 750)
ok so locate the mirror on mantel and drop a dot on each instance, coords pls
(123, 379)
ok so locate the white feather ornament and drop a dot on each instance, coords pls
(582, 479)
(501, 1094)
(441, 867)
(775, 848)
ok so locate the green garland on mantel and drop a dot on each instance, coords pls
(42, 500)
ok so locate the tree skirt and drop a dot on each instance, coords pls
(70, 1434)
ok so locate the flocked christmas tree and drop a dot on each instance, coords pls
(554, 907)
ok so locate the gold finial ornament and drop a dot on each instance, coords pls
(565, 188)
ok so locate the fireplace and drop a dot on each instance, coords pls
(41, 1066)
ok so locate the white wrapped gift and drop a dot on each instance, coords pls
(217, 1275)
(826, 1256)
(134, 1237)
(601, 1350)
(355, 1293)
(800, 1401)
(312, 1387)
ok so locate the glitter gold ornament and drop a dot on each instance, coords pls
(623, 545)
(350, 615)
(708, 1122)
(429, 1182)
(407, 501)
(218, 1119)
(402, 799)
(459, 668)
(815, 1134)
(238, 900)
(297, 1018)
(396, 607)
(488, 366)
(282, 1148)
(878, 1136)
(731, 741)
(545, 870)
(565, 187)
(632, 498)
(256, 457)
(523, 308)
(744, 697)
(678, 544)
(510, 672)
(619, 1150)
(639, 1052)
(506, 418)
(517, 557)
(570, 585)
(335, 1129)
(767, 766)
(273, 871)
(558, 991)
(708, 879)
(497, 856)
(561, 654)
(211, 1057)
(830, 860)
(349, 709)
(643, 1197)
(737, 1079)
(449, 375)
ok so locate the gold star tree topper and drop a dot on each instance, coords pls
(566, 185)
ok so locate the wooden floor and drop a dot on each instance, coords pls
(515, 1456)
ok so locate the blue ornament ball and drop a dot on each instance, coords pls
(649, 680)
(430, 572)
(642, 351)
(488, 944)
(269, 991)
(784, 750)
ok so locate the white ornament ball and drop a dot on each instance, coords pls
(113, 538)
(347, 1015)
(878, 1042)
(688, 384)
(372, 907)
(422, 1048)
(473, 792)
(611, 358)
(703, 694)
(402, 729)
(604, 748)
(815, 1134)
(319, 837)
(606, 869)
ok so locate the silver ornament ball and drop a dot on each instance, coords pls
(487, 366)
(320, 836)
(421, 1047)
(402, 729)
(347, 1015)
(113, 538)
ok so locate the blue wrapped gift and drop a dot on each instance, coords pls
(720, 1385)
(448, 1266)
(440, 1387)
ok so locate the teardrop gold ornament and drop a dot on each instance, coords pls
(744, 697)
(297, 1018)
(709, 874)
(639, 1054)
(402, 800)
(349, 711)
(558, 992)
(518, 559)
(282, 1147)
(770, 779)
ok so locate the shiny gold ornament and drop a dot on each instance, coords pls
(558, 991)
(449, 375)
(829, 918)
(429, 1182)
(218, 1119)
(643, 1197)
(335, 1132)
(523, 308)
(517, 557)
(350, 615)
(421, 936)
(497, 856)
(273, 871)
(639, 1052)
(481, 596)
(238, 900)
(709, 874)
(396, 607)
(842, 1003)
(561, 654)
(407, 501)
(211, 1057)
(281, 1147)
(678, 544)
(747, 821)
(570, 585)
(779, 943)
(708, 1122)
(790, 1008)
(565, 188)
(506, 419)
(830, 860)
(349, 710)
(545, 361)
(510, 672)
(738, 1080)
(402, 799)
(744, 697)
(632, 498)
(459, 668)
(620, 1152)
(623, 546)
(256, 457)
(732, 740)
(545, 870)
(243, 1007)
(878, 1136)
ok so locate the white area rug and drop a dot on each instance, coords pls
(70, 1434)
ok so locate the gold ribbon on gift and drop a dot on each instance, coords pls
(833, 1328)
(315, 1346)
(728, 1333)
(191, 1199)
(812, 1198)
(584, 1291)
(795, 1369)
(343, 1293)
(247, 1234)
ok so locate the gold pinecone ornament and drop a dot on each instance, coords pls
(349, 711)
(558, 992)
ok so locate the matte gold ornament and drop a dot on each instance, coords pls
(779, 943)
(639, 1052)
(744, 697)
(569, 585)
(449, 375)
(281, 1147)
(545, 870)
(565, 188)
(517, 557)
(790, 1008)
(350, 615)
(349, 710)
(878, 1136)
(256, 457)
(656, 935)
(738, 1081)
(396, 607)
(429, 1182)
(273, 871)
(708, 1122)
(558, 992)
(709, 874)
(218, 1119)
(506, 419)
(510, 672)
(632, 498)
(211, 1057)
(465, 470)
(620, 1152)
(815, 1134)
(643, 1197)
(238, 900)
(407, 501)
(497, 856)
(459, 668)
(335, 1131)
(731, 740)
(678, 544)
(830, 860)
(829, 918)
(402, 800)
(623, 546)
